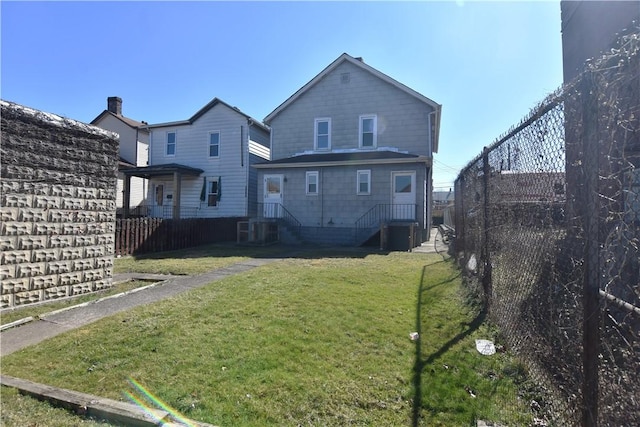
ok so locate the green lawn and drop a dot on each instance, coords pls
(182, 262)
(25, 411)
(319, 340)
(194, 260)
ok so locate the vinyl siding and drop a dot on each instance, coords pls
(403, 121)
(259, 141)
(192, 149)
(337, 201)
(134, 151)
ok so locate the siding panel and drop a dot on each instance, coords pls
(192, 149)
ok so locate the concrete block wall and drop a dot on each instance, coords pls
(57, 206)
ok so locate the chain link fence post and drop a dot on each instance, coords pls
(486, 253)
(590, 285)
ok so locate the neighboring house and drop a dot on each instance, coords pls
(353, 151)
(201, 167)
(528, 187)
(134, 150)
(443, 201)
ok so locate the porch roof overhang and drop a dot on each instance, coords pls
(148, 172)
(345, 159)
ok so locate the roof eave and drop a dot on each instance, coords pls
(215, 101)
(141, 126)
(436, 133)
(272, 165)
(360, 64)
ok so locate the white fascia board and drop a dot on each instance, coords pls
(422, 159)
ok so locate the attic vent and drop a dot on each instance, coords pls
(345, 77)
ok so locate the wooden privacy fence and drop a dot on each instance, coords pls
(142, 235)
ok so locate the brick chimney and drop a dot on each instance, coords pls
(114, 105)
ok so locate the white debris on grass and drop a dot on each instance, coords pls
(485, 347)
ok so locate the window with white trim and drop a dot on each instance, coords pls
(368, 131)
(312, 183)
(322, 134)
(171, 144)
(364, 182)
(214, 144)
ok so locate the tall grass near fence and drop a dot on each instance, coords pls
(548, 227)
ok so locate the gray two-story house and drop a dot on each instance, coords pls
(351, 152)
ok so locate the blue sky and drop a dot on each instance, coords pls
(487, 63)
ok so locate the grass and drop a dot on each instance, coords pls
(182, 262)
(35, 311)
(319, 340)
(192, 261)
(26, 411)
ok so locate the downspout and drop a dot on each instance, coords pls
(321, 197)
(246, 172)
(150, 196)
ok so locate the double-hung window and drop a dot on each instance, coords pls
(312, 183)
(171, 144)
(214, 144)
(364, 182)
(368, 131)
(322, 134)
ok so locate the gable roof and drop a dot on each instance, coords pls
(129, 122)
(203, 110)
(360, 64)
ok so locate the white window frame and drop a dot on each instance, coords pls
(309, 175)
(316, 134)
(175, 144)
(363, 117)
(210, 181)
(209, 145)
(363, 173)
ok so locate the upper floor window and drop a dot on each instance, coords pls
(312, 182)
(364, 182)
(171, 144)
(322, 134)
(368, 131)
(214, 144)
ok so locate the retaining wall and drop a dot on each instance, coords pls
(57, 206)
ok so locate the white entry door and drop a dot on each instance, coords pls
(272, 196)
(403, 195)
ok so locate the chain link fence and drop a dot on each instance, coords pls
(548, 232)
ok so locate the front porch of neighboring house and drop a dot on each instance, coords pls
(164, 204)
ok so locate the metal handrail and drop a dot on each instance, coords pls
(385, 212)
(280, 214)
